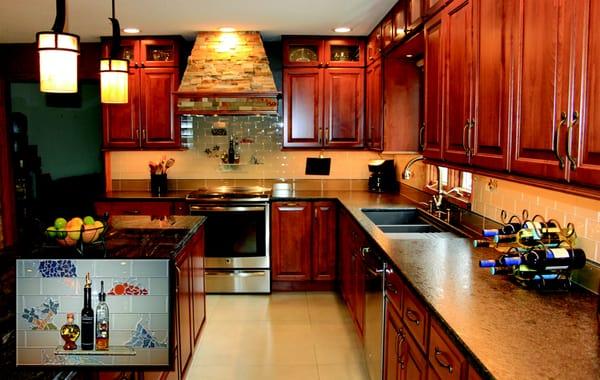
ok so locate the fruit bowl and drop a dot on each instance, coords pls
(69, 233)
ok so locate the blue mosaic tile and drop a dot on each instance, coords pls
(57, 268)
(41, 317)
(141, 337)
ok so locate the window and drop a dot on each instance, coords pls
(456, 183)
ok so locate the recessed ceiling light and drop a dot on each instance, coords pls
(342, 29)
(131, 30)
(409, 56)
(226, 29)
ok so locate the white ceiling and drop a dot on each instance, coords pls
(20, 20)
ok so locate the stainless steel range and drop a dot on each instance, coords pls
(237, 237)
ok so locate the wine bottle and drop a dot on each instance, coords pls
(505, 260)
(102, 321)
(231, 151)
(501, 270)
(527, 238)
(87, 316)
(543, 231)
(507, 229)
(555, 258)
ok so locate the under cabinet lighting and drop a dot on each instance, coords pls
(227, 29)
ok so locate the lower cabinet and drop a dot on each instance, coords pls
(303, 241)
(157, 208)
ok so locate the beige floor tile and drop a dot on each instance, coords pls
(340, 334)
(347, 371)
(332, 353)
(237, 372)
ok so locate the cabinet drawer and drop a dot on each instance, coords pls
(134, 208)
(416, 318)
(444, 357)
(393, 288)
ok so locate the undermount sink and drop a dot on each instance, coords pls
(403, 223)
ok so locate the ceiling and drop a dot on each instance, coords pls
(20, 20)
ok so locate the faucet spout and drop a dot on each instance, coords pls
(406, 173)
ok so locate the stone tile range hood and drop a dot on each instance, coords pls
(227, 74)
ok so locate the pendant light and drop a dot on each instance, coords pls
(58, 56)
(114, 71)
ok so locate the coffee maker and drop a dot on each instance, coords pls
(383, 176)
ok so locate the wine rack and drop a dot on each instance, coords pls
(535, 252)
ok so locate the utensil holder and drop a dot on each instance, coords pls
(158, 184)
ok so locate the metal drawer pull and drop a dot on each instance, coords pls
(570, 140)
(236, 274)
(412, 317)
(464, 144)
(563, 121)
(400, 338)
(391, 288)
(444, 364)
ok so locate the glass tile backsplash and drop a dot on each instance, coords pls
(137, 296)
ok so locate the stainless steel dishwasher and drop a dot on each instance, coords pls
(374, 311)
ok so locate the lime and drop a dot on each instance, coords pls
(61, 234)
(88, 220)
(51, 232)
(60, 223)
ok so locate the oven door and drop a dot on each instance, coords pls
(237, 235)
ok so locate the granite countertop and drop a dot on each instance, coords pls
(177, 195)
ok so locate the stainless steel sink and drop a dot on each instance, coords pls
(396, 216)
(404, 223)
(404, 228)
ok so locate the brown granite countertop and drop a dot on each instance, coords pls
(178, 195)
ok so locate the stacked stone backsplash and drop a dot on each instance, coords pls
(262, 159)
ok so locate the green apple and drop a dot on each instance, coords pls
(51, 232)
(60, 223)
(88, 220)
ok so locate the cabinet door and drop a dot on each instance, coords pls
(374, 45)
(345, 236)
(344, 52)
(160, 128)
(130, 50)
(344, 107)
(302, 107)
(414, 10)
(304, 52)
(541, 80)
(433, 89)
(159, 52)
(399, 20)
(324, 241)
(387, 30)
(291, 226)
(198, 292)
(359, 293)
(457, 30)
(433, 6)
(491, 85)
(184, 312)
(584, 135)
(415, 361)
(394, 338)
(121, 122)
(444, 357)
(374, 132)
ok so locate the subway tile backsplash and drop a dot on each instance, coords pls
(139, 308)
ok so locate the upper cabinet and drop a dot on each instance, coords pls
(374, 45)
(148, 121)
(323, 93)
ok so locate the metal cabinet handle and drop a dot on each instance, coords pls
(410, 314)
(570, 140)
(471, 140)
(143, 134)
(326, 136)
(316, 214)
(320, 134)
(400, 338)
(442, 363)
(464, 135)
(422, 136)
(391, 288)
(563, 121)
(177, 279)
(365, 251)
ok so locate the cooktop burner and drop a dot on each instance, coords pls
(231, 192)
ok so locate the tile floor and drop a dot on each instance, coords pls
(285, 336)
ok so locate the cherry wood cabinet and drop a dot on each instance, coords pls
(155, 208)
(434, 65)
(433, 6)
(183, 290)
(148, 120)
(197, 283)
(374, 45)
(291, 225)
(399, 14)
(374, 100)
(303, 241)
(387, 31)
(444, 357)
(324, 244)
(323, 101)
(414, 11)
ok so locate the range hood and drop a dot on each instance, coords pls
(227, 74)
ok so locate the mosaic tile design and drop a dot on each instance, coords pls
(127, 288)
(57, 268)
(41, 317)
(142, 337)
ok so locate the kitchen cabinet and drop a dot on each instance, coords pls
(433, 6)
(156, 208)
(323, 99)
(148, 121)
(302, 247)
(374, 100)
(183, 290)
(197, 284)
(414, 11)
(374, 45)
(399, 13)
(387, 31)
(407, 17)
(434, 65)
(445, 359)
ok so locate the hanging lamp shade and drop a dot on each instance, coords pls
(114, 81)
(58, 56)
(114, 72)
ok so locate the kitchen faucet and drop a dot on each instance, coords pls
(437, 198)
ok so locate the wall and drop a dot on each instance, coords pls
(49, 289)
(68, 139)
(260, 154)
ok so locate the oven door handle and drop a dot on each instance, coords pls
(236, 274)
(194, 208)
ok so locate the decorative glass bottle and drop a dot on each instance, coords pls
(70, 333)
